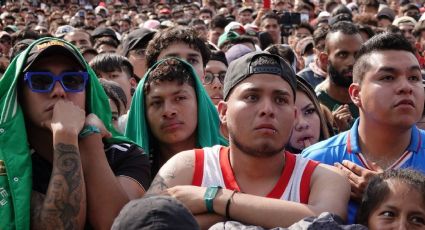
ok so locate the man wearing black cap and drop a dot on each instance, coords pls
(60, 145)
(237, 182)
(134, 47)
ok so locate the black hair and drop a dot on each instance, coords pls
(341, 9)
(105, 40)
(378, 190)
(284, 52)
(345, 27)
(371, 3)
(367, 30)
(219, 56)
(270, 15)
(380, 42)
(218, 21)
(305, 25)
(171, 70)
(319, 35)
(110, 62)
(206, 10)
(178, 34)
(114, 92)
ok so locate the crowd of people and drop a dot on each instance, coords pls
(251, 114)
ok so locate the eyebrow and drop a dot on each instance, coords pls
(177, 55)
(276, 91)
(180, 91)
(308, 106)
(392, 69)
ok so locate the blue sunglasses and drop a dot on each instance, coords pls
(43, 82)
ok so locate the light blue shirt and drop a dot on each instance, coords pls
(345, 146)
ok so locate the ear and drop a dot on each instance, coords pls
(323, 58)
(133, 82)
(222, 112)
(355, 92)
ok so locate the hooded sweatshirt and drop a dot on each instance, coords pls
(208, 133)
(16, 175)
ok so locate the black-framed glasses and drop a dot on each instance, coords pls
(43, 82)
(209, 77)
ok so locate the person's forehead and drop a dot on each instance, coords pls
(269, 21)
(263, 82)
(214, 64)
(179, 49)
(404, 26)
(166, 88)
(391, 60)
(339, 40)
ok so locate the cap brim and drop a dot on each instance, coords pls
(51, 51)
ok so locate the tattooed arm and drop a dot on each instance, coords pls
(64, 205)
(176, 171)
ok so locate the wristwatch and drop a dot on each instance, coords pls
(209, 197)
(88, 130)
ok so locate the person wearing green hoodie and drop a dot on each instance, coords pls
(62, 164)
(172, 112)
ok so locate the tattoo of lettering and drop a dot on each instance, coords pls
(62, 202)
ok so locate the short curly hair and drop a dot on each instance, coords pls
(169, 36)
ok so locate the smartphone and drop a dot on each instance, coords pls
(266, 4)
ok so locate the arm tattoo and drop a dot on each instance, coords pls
(159, 184)
(61, 206)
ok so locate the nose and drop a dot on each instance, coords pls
(58, 90)
(216, 84)
(405, 87)
(301, 123)
(402, 224)
(169, 110)
(267, 108)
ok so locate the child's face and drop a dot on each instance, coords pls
(402, 209)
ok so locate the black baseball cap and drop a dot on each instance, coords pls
(52, 47)
(104, 32)
(245, 66)
(137, 38)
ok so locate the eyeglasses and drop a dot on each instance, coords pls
(209, 77)
(43, 82)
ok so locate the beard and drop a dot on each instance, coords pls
(263, 151)
(338, 77)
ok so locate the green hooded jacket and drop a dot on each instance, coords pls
(16, 175)
(208, 129)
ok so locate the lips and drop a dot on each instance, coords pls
(266, 128)
(405, 102)
(171, 125)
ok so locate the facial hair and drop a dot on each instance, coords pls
(338, 77)
(263, 151)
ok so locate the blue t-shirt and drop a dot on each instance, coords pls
(345, 146)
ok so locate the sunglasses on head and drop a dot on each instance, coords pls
(43, 82)
(209, 77)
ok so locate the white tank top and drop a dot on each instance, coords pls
(212, 168)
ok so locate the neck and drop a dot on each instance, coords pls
(337, 92)
(169, 150)
(255, 168)
(41, 140)
(381, 143)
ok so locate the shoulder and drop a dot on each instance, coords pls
(330, 178)
(335, 145)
